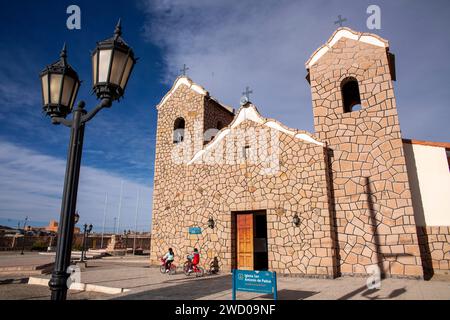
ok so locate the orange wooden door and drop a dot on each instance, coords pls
(245, 241)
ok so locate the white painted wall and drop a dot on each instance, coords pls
(429, 178)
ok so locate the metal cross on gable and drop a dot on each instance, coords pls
(340, 20)
(185, 68)
(247, 93)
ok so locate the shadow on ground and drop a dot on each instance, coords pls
(287, 294)
(372, 294)
(190, 290)
(198, 288)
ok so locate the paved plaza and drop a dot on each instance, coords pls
(29, 261)
(139, 281)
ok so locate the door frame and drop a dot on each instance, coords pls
(234, 244)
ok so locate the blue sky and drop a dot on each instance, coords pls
(227, 45)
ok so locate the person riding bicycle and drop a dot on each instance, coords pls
(195, 259)
(168, 259)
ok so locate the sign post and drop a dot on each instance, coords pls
(254, 281)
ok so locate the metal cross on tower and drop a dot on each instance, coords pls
(340, 20)
(184, 69)
(247, 93)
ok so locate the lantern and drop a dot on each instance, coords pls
(60, 86)
(296, 220)
(112, 63)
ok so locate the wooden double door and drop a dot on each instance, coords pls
(251, 241)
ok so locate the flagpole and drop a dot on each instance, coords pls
(120, 207)
(104, 218)
(135, 221)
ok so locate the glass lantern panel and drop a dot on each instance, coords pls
(119, 61)
(44, 80)
(67, 91)
(94, 68)
(55, 88)
(126, 73)
(103, 68)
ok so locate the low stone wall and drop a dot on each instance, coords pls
(92, 242)
(27, 243)
(435, 250)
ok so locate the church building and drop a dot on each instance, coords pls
(257, 195)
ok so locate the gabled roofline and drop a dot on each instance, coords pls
(184, 80)
(348, 33)
(250, 112)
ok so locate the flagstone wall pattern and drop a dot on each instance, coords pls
(348, 182)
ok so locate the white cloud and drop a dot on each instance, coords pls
(229, 45)
(264, 44)
(31, 185)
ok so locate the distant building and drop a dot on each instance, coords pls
(4, 230)
(51, 228)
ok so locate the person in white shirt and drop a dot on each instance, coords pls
(168, 258)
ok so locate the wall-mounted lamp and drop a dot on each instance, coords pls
(296, 220)
(211, 222)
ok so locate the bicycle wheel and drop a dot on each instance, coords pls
(200, 272)
(173, 269)
(186, 268)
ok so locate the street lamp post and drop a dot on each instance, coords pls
(113, 61)
(86, 231)
(24, 235)
(126, 233)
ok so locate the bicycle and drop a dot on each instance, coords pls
(188, 268)
(172, 268)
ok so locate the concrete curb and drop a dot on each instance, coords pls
(43, 267)
(80, 286)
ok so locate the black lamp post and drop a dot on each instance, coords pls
(126, 233)
(24, 235)
(113, 62)
(86, 231)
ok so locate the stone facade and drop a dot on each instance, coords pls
(347, 183)
(217, 186)
(435, 250)
(371, 193)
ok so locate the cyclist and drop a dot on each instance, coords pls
(195, 259)
(168, 259)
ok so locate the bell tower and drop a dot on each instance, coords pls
(185, 113)
(355, 112)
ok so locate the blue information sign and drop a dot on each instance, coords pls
(255, 281)
(195, 230)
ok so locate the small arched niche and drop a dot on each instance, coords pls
(351, 98)
(178, 130)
